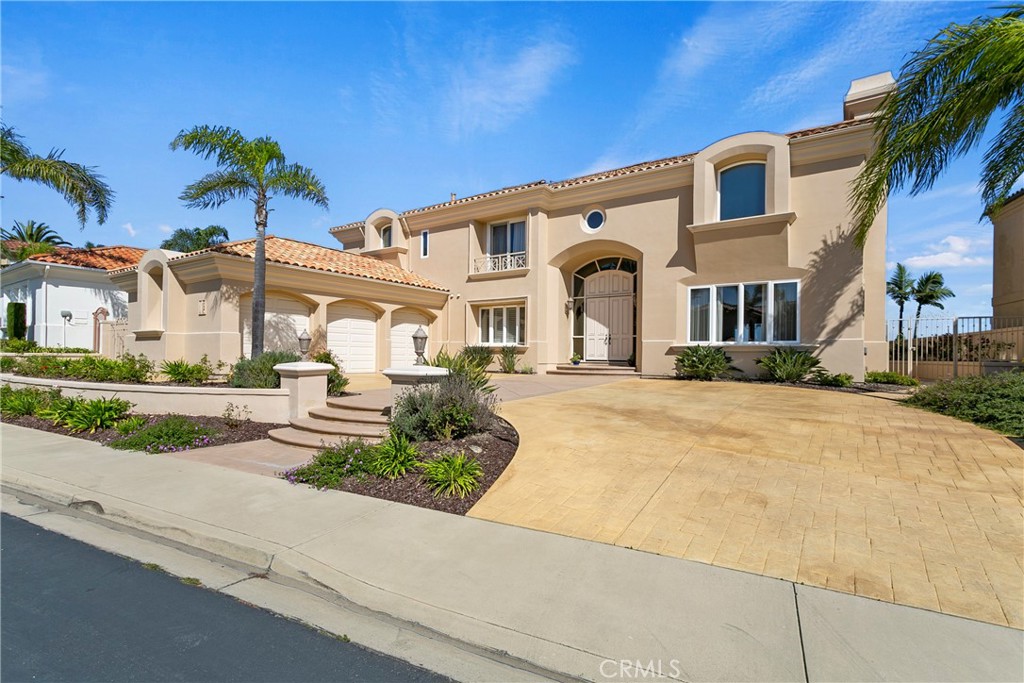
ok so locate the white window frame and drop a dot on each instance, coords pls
(718, 189)
(510, 221)
(425, 244)
(520, 310)
(769, 319)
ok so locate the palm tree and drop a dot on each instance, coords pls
(34, 233)
(930, 290)
(247, 169)
(900, 288)
(194, 239)
(80, 185)
(947, 93)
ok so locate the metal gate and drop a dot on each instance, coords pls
(943, 348)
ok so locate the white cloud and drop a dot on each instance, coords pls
(165, 229)
(24, 84)
(952, 252)
(489, 91)
(130, 230)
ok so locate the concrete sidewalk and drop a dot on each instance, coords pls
(589, 610)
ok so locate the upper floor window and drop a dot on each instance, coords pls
(741, 191)
(424, 244)
(385, 236)
(506, 247)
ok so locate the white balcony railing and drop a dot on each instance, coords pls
(499, 262)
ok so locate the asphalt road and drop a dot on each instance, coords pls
(71, 612)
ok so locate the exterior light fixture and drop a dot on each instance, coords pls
(304, 340)
(419, 343)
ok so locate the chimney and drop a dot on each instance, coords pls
(453, 197)
(866, 94)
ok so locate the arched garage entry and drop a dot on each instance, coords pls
(352, 336)
(285, 319)
(404, 322)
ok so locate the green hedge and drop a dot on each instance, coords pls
(16, 320)
(993, 401)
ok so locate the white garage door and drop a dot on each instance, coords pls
(285, 319)
(403, 324)
(352, 336)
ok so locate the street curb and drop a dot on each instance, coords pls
(532, 655)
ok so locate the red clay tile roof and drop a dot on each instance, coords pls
(613, 173)
(313, 256)
(102, 258)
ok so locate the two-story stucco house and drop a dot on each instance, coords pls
(744, 244)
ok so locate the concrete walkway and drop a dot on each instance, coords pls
(590, 610)
(826, 489)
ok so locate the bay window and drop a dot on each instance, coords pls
(744, 313)
(503, 326)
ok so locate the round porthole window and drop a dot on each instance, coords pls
(594, 220)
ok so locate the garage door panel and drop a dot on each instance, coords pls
(284, 321)
(352, 337)
(403, 325)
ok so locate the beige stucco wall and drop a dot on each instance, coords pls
(1008, 260)
(805, 236)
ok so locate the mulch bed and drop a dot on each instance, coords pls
(243, 431)
(494, 449)
(857, 388)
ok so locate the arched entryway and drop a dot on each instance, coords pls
(604, 310)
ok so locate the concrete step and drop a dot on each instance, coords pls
(372, 403)
(589, 369)
(311, 440)
(335, 428)
(348, 415)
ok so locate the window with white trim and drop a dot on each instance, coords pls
(745, 313)
(424, 244)
(506, 247)
(385, 236)
(503, 325)
(741, 191)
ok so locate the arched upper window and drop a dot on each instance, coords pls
(741, 191)
(385, 236)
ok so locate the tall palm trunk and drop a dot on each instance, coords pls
(901, 320)
(917, 318)
(259, 277)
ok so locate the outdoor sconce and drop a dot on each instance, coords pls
(419, 343)
(304, 340)
(568, 306)
(66, 315)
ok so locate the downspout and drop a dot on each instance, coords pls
(46, 307)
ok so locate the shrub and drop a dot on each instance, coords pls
(59, 409)
(125, 368)
(98, 413)
(478, 355)
(333, 464)
(452, 408)
(703, 363)
(465, 366)
(395, 456)
(452, 475)
(507, 359)
(130, 424)
(18, 345)
(788, 365)
(171, 434)
(16, 320)
(8, 364)
(258, 373)
(19, 402)
(826, 379)
(336, 382)
(993, 401)
(42, 366)
(890, 378)
(183, 372)
(234, 415)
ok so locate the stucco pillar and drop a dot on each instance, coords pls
(306, 384)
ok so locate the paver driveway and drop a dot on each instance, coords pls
(854, 493)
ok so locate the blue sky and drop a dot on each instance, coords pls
(399, 105)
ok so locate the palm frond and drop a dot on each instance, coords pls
(1004, 161)
(80, 185)
(12, 148)
(946, 95)
(223, 143)
(294, 180)
(216, 188)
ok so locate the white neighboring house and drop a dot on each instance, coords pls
(67, 281)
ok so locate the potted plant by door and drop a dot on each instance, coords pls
(576, 358)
